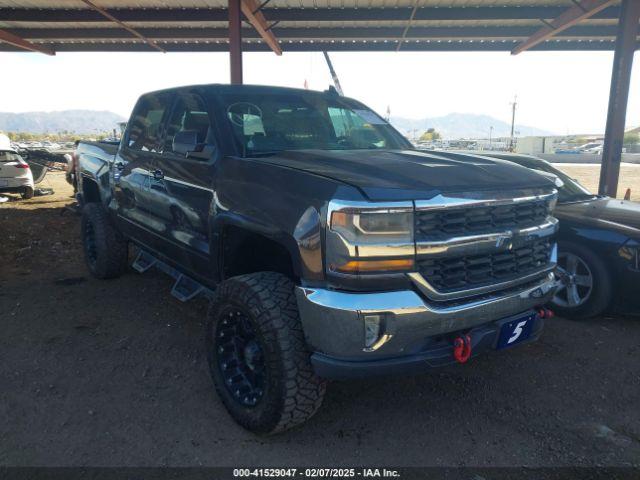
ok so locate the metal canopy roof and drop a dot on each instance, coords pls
(302, 25)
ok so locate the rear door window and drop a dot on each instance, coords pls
(145, 128)
(6, 157)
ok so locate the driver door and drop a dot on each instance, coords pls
(136, 208)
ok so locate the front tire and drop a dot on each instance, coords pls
(257, 354)
(586, 289)
(105, 249)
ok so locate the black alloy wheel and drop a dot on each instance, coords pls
(258, 357)
(240, 357)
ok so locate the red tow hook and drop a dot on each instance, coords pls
(545, 312)
(462, 348)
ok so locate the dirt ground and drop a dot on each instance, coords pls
(588, 175)
(113, 373)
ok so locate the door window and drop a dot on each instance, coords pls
(189, 114)
(145, 129)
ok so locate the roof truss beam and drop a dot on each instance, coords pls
(23, 44)
(252, 10)
(204, 33)
(580, 11)
(318, 46)
(408, 25)
(110, 17)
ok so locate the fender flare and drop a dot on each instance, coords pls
(276, 235)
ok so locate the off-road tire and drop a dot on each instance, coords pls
(107, 257)
(27, 193)
(292, 393)
(602, 293)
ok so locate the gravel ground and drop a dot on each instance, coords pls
(112, 373)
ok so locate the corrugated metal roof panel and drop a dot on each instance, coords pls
(296, 24)
(285, 24)
(345, 22)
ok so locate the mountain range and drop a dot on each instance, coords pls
(463, 125)
(453, 125)
(73, 121)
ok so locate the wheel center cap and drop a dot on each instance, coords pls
(251, 353)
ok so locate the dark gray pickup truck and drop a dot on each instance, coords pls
(330, 247)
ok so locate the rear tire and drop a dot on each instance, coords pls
(27, 193)
(105, 249)
(593, 300)
(257, 354)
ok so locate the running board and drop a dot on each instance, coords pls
(185, 287)
(143, 262)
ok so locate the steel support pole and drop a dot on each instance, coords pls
(618, 96)
(235, 41)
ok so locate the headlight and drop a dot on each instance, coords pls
(370, 226)
(370, 239)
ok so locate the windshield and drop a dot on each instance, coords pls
(269, 123)
(6, 156)
(571, 190)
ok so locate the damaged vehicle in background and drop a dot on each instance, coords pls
(331, 248)
(15, 174)
(598, 247)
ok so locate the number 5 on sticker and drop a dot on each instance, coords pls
(517, 332)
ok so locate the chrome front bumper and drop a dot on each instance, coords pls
(333, 321)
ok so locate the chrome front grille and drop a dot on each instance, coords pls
(436, 224)
(465, 272)
(472, 246)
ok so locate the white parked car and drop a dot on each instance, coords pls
(15, 174)
(592, 147)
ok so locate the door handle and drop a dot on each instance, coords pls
(120, 165)
(158, 174)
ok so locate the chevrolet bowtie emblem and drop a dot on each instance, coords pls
(504, 242)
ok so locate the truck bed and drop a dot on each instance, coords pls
(93, 161)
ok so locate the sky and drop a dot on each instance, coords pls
(562, 92)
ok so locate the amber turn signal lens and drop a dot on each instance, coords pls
(355, 266)
(339, 219)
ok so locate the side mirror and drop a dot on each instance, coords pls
(186, 142)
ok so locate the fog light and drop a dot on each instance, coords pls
(372, 329)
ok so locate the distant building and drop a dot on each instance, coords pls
(534, 145)
(495, 144)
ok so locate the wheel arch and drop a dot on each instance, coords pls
(600, 296)
(88, 191)
(245, 246)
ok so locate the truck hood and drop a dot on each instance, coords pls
(408, 174)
